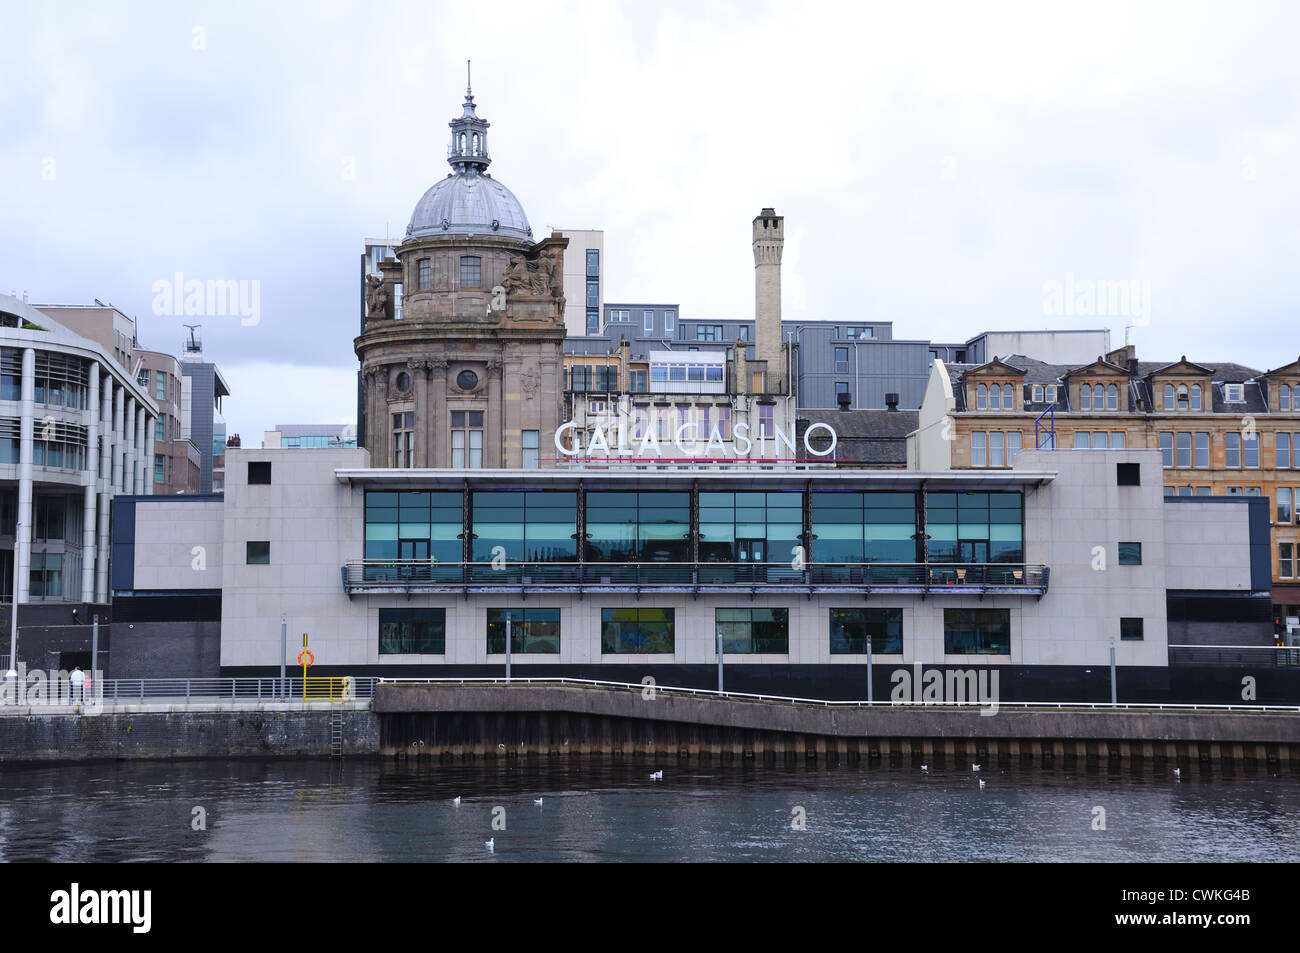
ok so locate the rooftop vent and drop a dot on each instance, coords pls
(891, 401)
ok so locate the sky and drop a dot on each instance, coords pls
(947, 167)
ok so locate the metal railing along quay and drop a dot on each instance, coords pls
(1270, 655)
(316, 688)
(396, 575)
(643, 688)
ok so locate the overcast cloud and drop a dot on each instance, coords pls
(936, 164)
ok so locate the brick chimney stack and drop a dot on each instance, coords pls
(769, 241)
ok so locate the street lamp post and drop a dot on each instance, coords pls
(507, 646)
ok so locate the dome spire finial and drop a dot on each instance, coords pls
(468, 150)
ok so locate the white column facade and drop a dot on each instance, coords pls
(119, 403)
(102, 484)
(88, 526)
(142, 463)
(23, 529)
(128, 447)
(150, 427)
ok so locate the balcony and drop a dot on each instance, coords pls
(382, 576)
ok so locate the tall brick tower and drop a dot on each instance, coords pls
(769, 240)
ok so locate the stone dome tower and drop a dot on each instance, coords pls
(467, 371)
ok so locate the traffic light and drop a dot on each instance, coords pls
(1279, 632)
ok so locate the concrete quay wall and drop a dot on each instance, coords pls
(488, 720)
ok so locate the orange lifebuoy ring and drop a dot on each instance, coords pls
(308, 661)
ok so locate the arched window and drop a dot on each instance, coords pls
(1112, 397)
(982, 397)
(1085, 397)
(475, 143)
(1284, 397)
(1182, 396)
(1169, 397)
(995, 397)
(462, 142)
(1196, 397)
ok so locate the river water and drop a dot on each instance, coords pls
(374, 810)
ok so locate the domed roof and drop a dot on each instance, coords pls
(469, 203)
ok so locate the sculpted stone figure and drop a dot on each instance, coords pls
(376, 297)
(516, 278)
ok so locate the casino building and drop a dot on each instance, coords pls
(621, 541)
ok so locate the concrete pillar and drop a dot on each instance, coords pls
(420, 378)
(119, 404)
(150, 430)
(438, 428)
(128, 445)
(494, 437)
(106, 467)
(769, 241)
(23, 529)
(89, 504)
(143, 463)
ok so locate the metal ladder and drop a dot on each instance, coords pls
(336, 733)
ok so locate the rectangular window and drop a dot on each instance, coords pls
(1286, 560)
(1130, 629)
(841, 360)
(467, 439)
(1013, 446)
(1130, 554)
(1284, 511)
(1284, 397)
(404, 439)
(530, 449)
(1128, 474)
(160, 429)
(593, 262)
(742, 333)
(708, 332)
(1167, 449)
(1232, 449)
(638, 381)
(636, 631)
(259, 471)
(1082, 440)
(143, 380)
(593, 321)
(258, 552)
(532, 631)
(1202, 450)
(1037, 394)
(995, 448)
(1233, 393)
(1251, 445)
(160, 386)
(766, 428)
(649, 325)
(979, 448)
(424, 279)
(1117, 440)
(1283, 460)
(471, 267)
(1252, 491)
(412, 631)
(669, 318)
(753, 631)
(977, 631)
(850, 629)
(1184, 449)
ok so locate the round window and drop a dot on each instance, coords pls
(403, 381)
(467, 380)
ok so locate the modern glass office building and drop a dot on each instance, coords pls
(792, 577)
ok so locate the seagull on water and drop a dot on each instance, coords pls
(981, 784)
(537, 801)
(1178, 772)
(656, 775)
(456, 800)
(925, 769)
(490, 844)
(975, 767)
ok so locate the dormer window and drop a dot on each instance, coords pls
(995, 397)
(982, 397)
(1169, 397)
(1085, 397)
(1182, 397)
(1283, 396)
(1234, 394)
(1196, 397)
(1112, 397)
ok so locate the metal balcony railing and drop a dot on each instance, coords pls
(393, 575)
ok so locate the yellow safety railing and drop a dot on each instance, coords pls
(331, 688)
